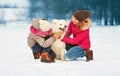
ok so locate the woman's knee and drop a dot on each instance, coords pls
(74, 53)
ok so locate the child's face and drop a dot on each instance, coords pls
(75, 21)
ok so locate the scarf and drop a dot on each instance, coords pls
(39, 32)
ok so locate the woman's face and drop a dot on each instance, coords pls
(75, 21)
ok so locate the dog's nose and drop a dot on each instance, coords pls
(65, 26)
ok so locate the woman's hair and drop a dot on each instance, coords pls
(81, 15)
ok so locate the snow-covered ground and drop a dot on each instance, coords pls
(16, 57)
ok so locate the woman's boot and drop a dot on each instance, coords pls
(36, 55)
(45, 57)
(89, 55)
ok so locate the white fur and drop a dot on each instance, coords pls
(58, 46)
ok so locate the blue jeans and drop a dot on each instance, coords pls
(74, 52)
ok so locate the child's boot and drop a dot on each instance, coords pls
(89, 55)
(45, 57)
(36, 55)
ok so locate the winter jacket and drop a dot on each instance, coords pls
(35, 38)
(80, 37)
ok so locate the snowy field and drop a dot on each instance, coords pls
(16, 57)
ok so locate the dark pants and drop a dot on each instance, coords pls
(38, 48)
(69, 46)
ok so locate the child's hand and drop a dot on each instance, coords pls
(57, 35)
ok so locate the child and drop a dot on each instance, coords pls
(79, 45)
(40, 40)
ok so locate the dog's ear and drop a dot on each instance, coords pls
(54, 21)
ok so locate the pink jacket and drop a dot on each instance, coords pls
(80, 37)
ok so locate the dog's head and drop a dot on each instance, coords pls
(59, 25)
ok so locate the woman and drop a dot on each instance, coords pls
(79, 44)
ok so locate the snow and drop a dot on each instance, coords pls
(16, 57)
